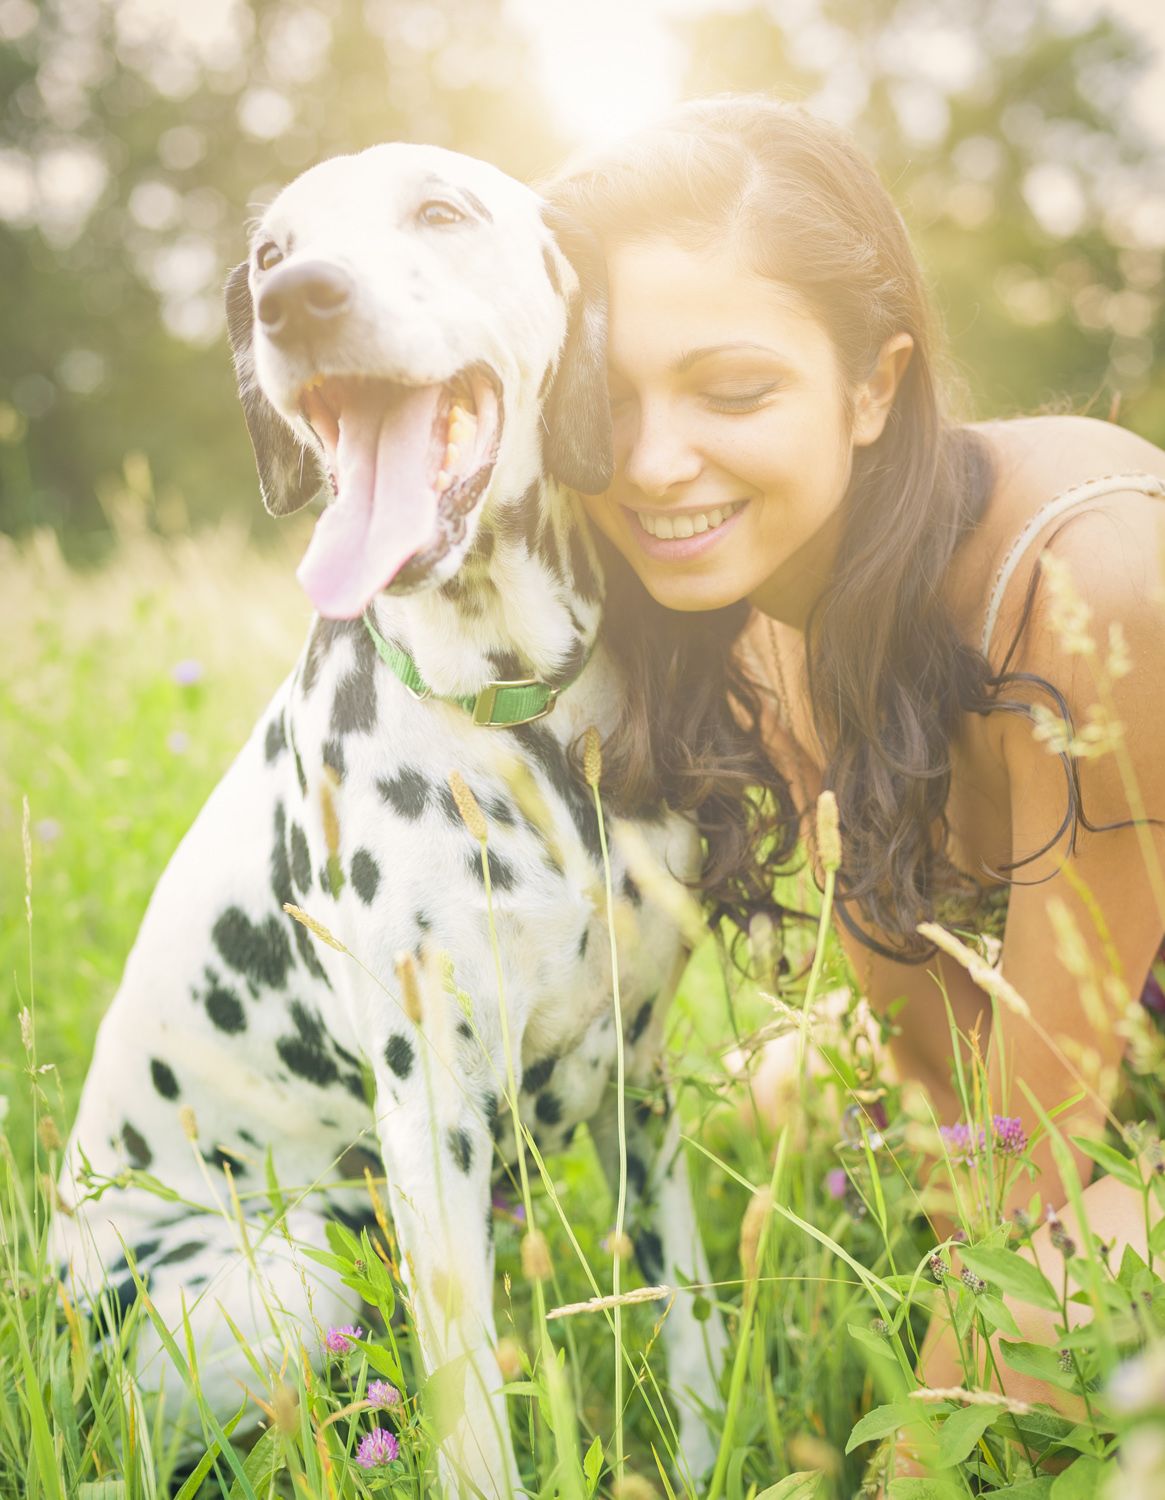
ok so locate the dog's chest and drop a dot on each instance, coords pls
(397, 868)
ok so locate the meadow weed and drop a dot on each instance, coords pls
(836, 1230)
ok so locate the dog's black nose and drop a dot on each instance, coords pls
(298, 299)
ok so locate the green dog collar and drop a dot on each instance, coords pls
(499, 705)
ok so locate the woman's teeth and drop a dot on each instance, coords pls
(669, 527)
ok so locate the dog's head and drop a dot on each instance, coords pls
(410, 324)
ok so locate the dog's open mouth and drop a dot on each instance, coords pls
(407, 464)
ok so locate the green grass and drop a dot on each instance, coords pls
(115, 757)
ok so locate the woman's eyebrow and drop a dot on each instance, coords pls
(693, 356)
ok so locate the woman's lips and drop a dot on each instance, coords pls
(680, 549)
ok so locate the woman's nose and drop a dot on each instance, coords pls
(659, 454)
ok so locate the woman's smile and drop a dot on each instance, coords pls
(731, 426)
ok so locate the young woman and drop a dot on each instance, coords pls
(795, 518)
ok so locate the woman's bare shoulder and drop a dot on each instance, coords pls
(1036, 459)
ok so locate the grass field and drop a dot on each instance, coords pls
(124, 693)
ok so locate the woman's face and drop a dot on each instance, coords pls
(733, 442)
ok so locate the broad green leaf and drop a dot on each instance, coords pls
(931, 1488)
(997, 1315)
(1030, 1489)
(884, 1419)
(1035, 1359)
(593, 1465)
(805, 1485)
(872, 1342)
(1013, 1275)
(1083, 1480)
(1113, 1162)
(962, 1430)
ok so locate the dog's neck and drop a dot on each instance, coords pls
(526, 601)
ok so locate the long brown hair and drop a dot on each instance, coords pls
(888, 674)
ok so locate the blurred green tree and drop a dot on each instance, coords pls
(137, 138)
(1036, 200)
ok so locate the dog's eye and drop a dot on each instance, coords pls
(268, 255)
(438, 211)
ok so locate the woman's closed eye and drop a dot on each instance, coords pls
(740, 401)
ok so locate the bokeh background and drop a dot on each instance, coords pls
(1023, 139)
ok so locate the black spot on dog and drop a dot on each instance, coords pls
(332, 754)
(464, 1029)
(552, 759)
(305, 1054)
(422, 921)
(300, 859)
(225, 1009)
(489, 1226)
(276, 741)
(548, 1108)
(299, 772)
(583, 941)
(245, 1135)
(649, 1253)
(280, 867)
(138, 1152)
(164, 1080)
(323, 637)
(501, 872)
(642, 1017)
(260, 952)
(489, 1108)
(354, 706)
(116, 1301)
(499, 810)
(185, 1251)
(632, 891)
(519, 520)
(548, 550)
(586, 584)
(398, 1054)
(507, 665)
(537, 1075)
(365, 876)
(224, 1159)
(461, 1147)
(407, 792)
(144, 1250)
(636, 1173)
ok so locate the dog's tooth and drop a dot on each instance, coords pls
(452, 454)
(444, 480)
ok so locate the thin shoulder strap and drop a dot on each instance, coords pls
(1079, 494)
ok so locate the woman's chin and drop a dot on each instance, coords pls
(692, 594)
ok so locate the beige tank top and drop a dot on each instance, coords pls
(1079, 494)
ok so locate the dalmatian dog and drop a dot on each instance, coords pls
(412, 332)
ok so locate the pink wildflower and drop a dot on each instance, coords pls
(336, 1339)
(381, 1394)
(377, 1448)
(836, 1182)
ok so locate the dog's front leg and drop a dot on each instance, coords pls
(662, 1222)
(434, 1124)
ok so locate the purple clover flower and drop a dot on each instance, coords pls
(959, 1142)
(336, 1339)
(187, 672)
(1153, 996)
(377, 1448)
(836, 1183)
(1008, 1137)
(382, 1395)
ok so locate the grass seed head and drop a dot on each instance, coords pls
(633, 1487)
(536, 1264)
(509, 1357)
(592, 758)
(299, 915)
(760, 1205)
(467, 805)
(410, 985)
(828, 831)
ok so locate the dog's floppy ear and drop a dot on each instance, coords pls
(289, 474)
(576, 412)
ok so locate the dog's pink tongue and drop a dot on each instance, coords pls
(386, 509)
